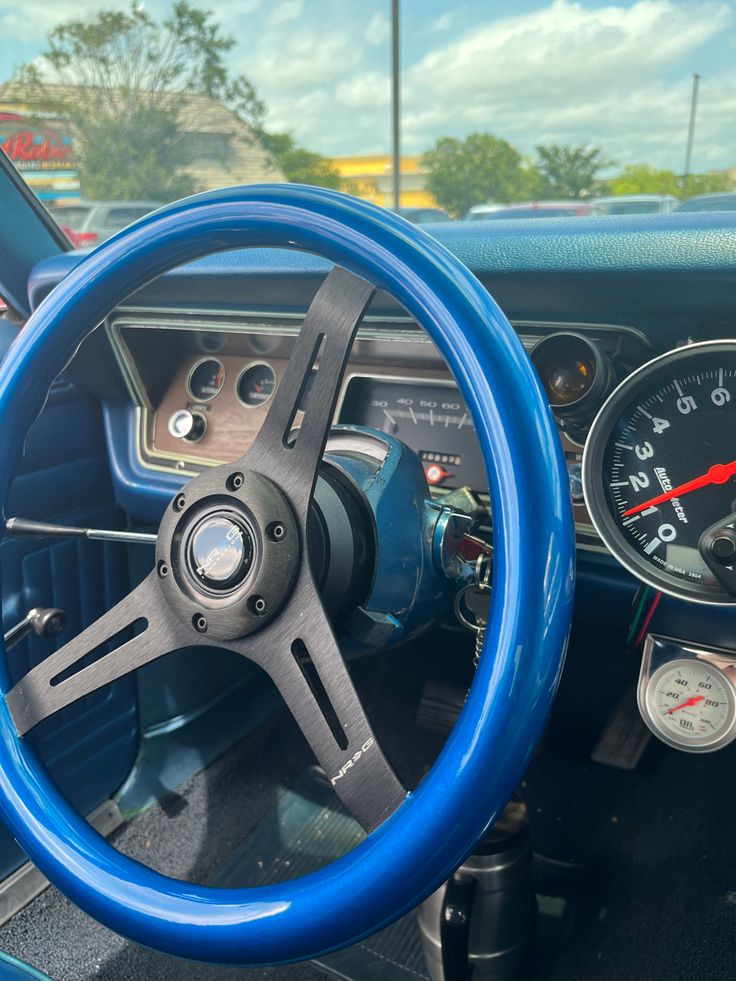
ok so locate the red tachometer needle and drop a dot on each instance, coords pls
(719, 473)
(690, 701)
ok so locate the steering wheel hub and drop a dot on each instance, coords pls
(228, 553)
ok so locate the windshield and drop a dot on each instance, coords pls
(110, 109)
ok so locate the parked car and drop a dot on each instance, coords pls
(87, 223)
(424, 216)
(637, 204)
(540, 209)
(481, 211)
(723, 201)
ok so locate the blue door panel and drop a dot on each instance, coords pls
(90, 746)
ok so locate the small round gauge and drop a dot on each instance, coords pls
(690, 704)
(659, 473)
(256, 384)
(206, 379)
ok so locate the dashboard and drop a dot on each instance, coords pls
(598, 305)
(202, 386)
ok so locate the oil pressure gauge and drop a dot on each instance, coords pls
(687, 695)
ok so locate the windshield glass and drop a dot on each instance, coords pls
(110, 109)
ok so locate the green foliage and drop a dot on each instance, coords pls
(124, 81)
(300, 166)
(707, 183)
(569, 171)
(479, 169)
(140, 158)
(643, 179)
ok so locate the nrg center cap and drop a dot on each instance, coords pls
(221, 551)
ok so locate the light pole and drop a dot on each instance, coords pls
(395, 104)
(691, 130)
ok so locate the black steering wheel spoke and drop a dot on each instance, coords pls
(311, 384)
(64, 677)
(300, 653)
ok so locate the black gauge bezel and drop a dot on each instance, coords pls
(622, 398)
(246, 370)
(198, 364)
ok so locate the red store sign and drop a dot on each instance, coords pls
(33, 149)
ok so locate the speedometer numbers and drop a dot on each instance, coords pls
(659, 473)
(430, 417)
(686, 695)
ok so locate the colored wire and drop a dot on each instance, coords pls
(640, 601)
(647, 620)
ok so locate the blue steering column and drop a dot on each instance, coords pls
(232, 570)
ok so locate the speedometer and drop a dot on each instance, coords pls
(659, 472)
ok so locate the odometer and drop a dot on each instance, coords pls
(659, 472)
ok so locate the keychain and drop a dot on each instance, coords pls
(471, 602)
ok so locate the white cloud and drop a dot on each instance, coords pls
(301, 60)
(377, 30)
(369, 90)
(31, 22)
(442, 23)
(285, 11)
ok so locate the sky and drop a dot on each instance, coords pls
(614, 75)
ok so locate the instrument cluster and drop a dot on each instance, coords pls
(204, 386)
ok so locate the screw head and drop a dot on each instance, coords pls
(179, 502)
(199, 621)
(276, 531)
(163, 569)
(258, 605)
(235, 481)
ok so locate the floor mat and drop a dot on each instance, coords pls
(308, 829)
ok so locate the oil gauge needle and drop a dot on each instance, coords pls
(689, 701)
(719, 473)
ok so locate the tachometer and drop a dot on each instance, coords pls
(659, 472)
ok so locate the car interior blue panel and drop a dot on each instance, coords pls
(91, 746)
(11, 969)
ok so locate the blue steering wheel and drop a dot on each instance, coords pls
(419, 837)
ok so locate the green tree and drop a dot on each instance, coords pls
(643, 179)
(300, 166)
(569, 171)
(124, 81)
(479, 169)
(707, 183)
